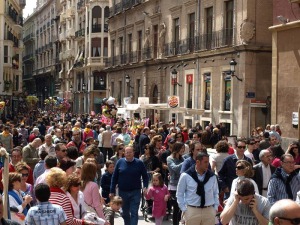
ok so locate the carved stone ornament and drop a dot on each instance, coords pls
(247, 31)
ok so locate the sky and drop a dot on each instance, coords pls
(30, 5)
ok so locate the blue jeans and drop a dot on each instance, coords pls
(130, 207)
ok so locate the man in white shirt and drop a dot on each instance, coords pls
(48, 146)
(50, 162)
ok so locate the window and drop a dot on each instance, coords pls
(97, 77)
(112, 87)
(5, 54)
(105, 53)
(96, 47)
(155, 41)
(191, 33)
(96, 14)
(139, 88)
(209, 27)
(139, 45)
(207, 82)
(228, 32)
(176, 35)
(227, 92)
(130, 47)
(121, 50)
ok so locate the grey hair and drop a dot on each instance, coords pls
(279, 209)
(262, 153)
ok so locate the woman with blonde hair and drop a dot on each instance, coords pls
(92, 197)
(243, 170)
(56, 179)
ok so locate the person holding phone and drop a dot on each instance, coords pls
(246, 207)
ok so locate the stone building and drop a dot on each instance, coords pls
(84, 47)
(11, 47)
(195, 40)
(285, 65)
(41, 63)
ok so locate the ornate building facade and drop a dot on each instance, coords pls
(151, 41)
(11, 47)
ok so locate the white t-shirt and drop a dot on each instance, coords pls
(76, 207)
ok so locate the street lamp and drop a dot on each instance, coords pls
(232, 64)
(101, 82)
(127, 80)
(83, 87)
(174, 80)
(71, 88)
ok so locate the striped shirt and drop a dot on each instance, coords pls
(276, 188)
(45, 213)
(59, 197)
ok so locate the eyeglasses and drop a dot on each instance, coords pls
(257, 141)
(25, 174)
(77, 184)
(240, 167)
(244, 147)
(289, 163)
(295, 221)
(252, 143)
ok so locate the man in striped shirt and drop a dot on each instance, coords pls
(285, 182)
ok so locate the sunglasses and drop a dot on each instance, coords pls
(121, 148)
(240, 167)
(240, 147)
(25, 174)
(294, 221)
(65, 150)
(77, 184)
(252, 143)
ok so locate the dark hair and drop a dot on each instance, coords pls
(108, 163)
(50, 161)
(282, 158)
(179, 133)
(222, 146)
(58, 146)
(277, 151)
(245, 188)
(198, 134)
(90, 150)
(201, 155)
(13, 177)
(151, 150)
(21, 166)
(291, 150)
(72, 152)
(42, 192)
(193, 145)
(177, 147)
(43, 154)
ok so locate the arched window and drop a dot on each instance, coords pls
(96, 19)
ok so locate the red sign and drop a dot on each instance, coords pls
(189, 78)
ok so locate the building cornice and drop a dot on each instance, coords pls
(287, 26)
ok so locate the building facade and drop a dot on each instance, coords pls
(41, 65)
(11, 47)
(84, 48)
(285, 65)
(196, 40)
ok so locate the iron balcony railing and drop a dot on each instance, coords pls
(123, 5)
(80, 33)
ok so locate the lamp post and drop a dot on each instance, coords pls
(84, 100)
(73, 97)
(127, 80)
(232, 64)
(174, 80)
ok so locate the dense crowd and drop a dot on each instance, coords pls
(194, 175)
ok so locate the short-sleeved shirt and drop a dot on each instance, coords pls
(45, 213)
(244, 214)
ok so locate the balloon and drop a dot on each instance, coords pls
(106, 113)
(104, 100)
(110, 101)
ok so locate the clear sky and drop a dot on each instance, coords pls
(30, 5)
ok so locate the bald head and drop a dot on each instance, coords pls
(285, 208)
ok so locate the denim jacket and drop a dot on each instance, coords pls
(174, 166)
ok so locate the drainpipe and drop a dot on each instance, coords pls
(198, 61)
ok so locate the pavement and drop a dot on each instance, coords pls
(119, 220)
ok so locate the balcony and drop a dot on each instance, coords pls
(126, 58)
(80, 33)
(96, 28)
(94, 60)
(27, 76)
(70, 53)
(106, 28)
(28, 57)
(80, 5)
(28, 37)
(123, 5)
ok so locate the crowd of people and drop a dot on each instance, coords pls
(194, 175)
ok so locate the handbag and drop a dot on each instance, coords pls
(89, 208)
